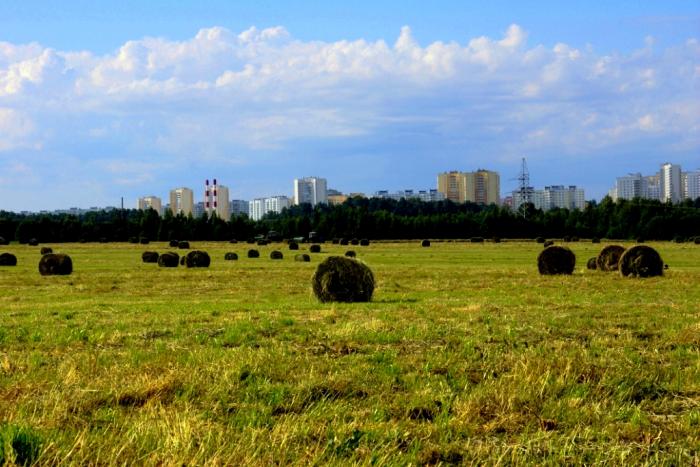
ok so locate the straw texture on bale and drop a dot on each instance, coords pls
(33, 242)
(608, 257)
(364, 242)
(641, 261)
(8, 259)
(197, 259)
(173, 243)
(276, 254)
(548, 243)
(592, 263)
(149, 257)
(303, 257)
(339, 279)
(230, 256)
(350, 254)
(293, 246)
(253, 254)
(168, 260)
(45, 250)
(55, 264)
(556, 260)
(425, 243)
(183, 245)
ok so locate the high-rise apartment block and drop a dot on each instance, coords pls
(182, 201)
(261, 206)
(481, 187)
(563, 197)
(239, 207)
(423, 195)
(150, 202)
(670, 182)
(691, 184)
(311, 190)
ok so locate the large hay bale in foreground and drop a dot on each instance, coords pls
(183, 245)
(168, 260)
(276, 254)
(641, 261)
(197, 259)
(350, 254)
(425, 243)
(339, 279)
(253, 254)
(304, 258)
(556, 260)
(8, 259)
(149, 256)
(55, 264)
(609, 257)
(293, 246)
(230, 256)
(45, 250)
(592, 263)
(173, 243)
(315, 248)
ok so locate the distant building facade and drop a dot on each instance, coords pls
(691, 184)
(311, 190)
(239, 207)
(563, 197)
(261, 206)
(481, 186)
(423, 195)
(150, 202)
(670, 182)
(182, 201)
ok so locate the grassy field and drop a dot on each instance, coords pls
(466, 355)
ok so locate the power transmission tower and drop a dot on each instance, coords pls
(524, 189)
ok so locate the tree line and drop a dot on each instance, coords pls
(372, 218)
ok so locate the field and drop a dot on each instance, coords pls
(465, 355)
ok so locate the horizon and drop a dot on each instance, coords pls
(127, 100)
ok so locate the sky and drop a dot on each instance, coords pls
(111, 99)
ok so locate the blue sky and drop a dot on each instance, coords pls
(100, 100)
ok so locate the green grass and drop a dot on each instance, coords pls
(465, 355)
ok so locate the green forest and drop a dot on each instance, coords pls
(372, 218)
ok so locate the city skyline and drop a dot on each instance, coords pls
(374, 97)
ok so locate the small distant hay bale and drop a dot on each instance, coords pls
(641, 261)
(276, 254)
(3, 241)
(609, 257)
(303, 257)
(183, 245)
(697, 240)
(477, 239)
(233, 241)
(364, 242)
(678, 239)
(33, 242)
(8, 259)
(344, 241)
(540, 239)
(149, 256)
(556, 260)
(339, 279)
(262, 242)
(592, 263)
(131, 240)
(173, 243)
(55, 264)
(45, 250)
(231, 256)
(354, 241)
(350, 254)
(567, 238)
(197, 259)
(315, 248)
(548, 243)
(168, 260)
(595, 240)
(182, 260)
(640, 240)
(335, 241)
(253, 254)
(425, 243)
(144, 241)
(293, 246)
(575, 238)
(496, 240)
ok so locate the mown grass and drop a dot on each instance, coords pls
(466, 355)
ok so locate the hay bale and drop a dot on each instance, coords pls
(33, 242)
(697, 240)
(230, 256)
(595, 240)
(425, 243)
(641, 261)
(55, 264)
(197, 259)
(592, 263)
(168, 260)
(183, 245)
(344, 241)
(339, 279)
(496, 240)
(678, 239)
(540, 239)
(3, 241)
(315, 248)
(253, 254)
(293, 246)
(276, 254)
(182, 260)
(8, 259)
(335, 241)
(262, 242)
(144, 241)
(173, 243)
(364, 242)
(556, 260)
(609, 257)
(149, 256)
(350, 254)
(640, 240)
(354, 241)
(304, 258)
(131, 240)
(233, 241)
(45, 250)
(567, 238)
(548, 243)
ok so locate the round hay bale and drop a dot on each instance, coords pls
(33, 242)
(293, 246)
(540, 239)
(425, 243)
(8, 259)
(697, 240)
(303, 257)
(276, 254)
(678, 239)
(335, 241)
(641, 261)
(556, 260)
(168, 260)
(230, 256)
(3, 241)
(315, 248)
(575, 238)
(149, 256)
(364, 242)
(609, 257)
(595, 240)
(262, 242)
(45, 250)
(233, 241)
(640, 240)
(350, 254)
(182, 260)
(344, 241)
(144, 241)
(55, 264)
(183, 245)
(592, 264)
(131, 240)
(354, 241)
(548, 243)
(339, 279)
(173, 243)
(197, 259)
(567, 238)
(253, 254)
